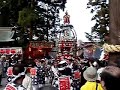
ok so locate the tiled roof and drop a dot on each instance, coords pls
(6, 34)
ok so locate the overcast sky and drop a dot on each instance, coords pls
(80, 17)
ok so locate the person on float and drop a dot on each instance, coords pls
(66, 18)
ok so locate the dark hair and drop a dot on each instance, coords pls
(111, 77)
(47, 87)
(18, 68)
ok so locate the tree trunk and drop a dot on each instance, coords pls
(114, 27)
(115, 22)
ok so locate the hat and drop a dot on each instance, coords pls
(88, 45)
(62, 65)
(42, 59)
(90, 74)
(62, 62)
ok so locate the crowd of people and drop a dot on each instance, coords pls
(82, 74)
(7, 61)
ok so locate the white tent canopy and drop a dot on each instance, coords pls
(6, 34)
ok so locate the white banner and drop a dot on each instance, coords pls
(11, 50)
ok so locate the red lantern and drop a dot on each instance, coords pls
(64, 83)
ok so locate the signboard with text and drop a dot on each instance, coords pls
(10, 71)
(64, 83)
(36, 44)
(12, 50)
(77, 74)
(10, 87)
(33, 72)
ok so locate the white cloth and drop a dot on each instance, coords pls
(102, 55)
(70, 65)
(99, 71)
(55, 71)
(27, 83)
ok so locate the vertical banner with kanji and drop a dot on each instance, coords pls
(10, 87)
(77, 75)
(10, 71)
(64, 83)
(33, 72)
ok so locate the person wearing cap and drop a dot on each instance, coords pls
(90, 75)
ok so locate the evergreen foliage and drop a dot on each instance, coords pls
(30, 17)
(100, 11)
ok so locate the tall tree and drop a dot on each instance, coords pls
(114, 22)
(100, 10)
(32, 17)
(115, 30)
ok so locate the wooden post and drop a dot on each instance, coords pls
(114, 27)
(115, 22)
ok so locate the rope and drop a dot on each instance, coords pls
(111, 48)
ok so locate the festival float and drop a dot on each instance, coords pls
(67, 39)
(38, 49)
